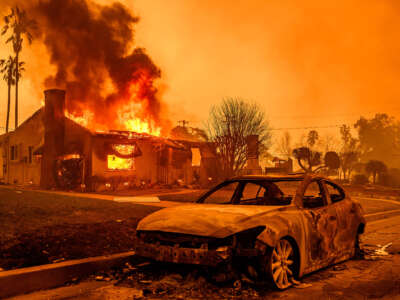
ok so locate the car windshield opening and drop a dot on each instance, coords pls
(279, 192)
(260, 192)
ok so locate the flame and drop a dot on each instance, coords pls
(83, 119)
(116, 163)
(133, 112)
(127, 119)
(131, 122)
(124, 149)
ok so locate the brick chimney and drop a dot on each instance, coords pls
(253, 165)
(54, 104)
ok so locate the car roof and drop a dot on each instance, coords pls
(274, 177)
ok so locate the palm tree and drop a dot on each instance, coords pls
(7, 67)
(20, 25)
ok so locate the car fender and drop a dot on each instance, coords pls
(288, 225)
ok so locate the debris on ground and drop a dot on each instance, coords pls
(382, 249)
(374, 252)
(155, 280)
(340, 267)
(300, 285)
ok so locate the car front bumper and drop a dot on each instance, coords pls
(176, 254)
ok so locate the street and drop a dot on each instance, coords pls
(377, 275)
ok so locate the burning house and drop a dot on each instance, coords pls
(54, 151)
(109, 130)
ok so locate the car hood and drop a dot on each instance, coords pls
(207, 219)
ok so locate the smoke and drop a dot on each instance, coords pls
(92, 48)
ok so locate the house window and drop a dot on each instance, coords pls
(30, 153)
(196, 157)
(14, 152)
(117, 163)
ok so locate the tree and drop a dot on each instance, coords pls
(312, 138)
(348, 162)
(329, 142)
(284, 145)
(7, 68)
(379, 138)
(375, 167)
(332, 160)
(228, 126)
(306, 158)
(349, 155)
(21, 26)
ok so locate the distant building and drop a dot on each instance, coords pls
(282, 166)
(53, 151)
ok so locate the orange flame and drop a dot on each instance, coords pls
(83, 120)
(117, 163)
(132, 111)
(132, 122)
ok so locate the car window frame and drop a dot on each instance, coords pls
(242, 188)
(322, 188)
(339, 188)
(203, 197)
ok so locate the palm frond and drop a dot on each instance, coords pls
(10, 39)
(4, 30)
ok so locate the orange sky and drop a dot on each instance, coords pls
(307, 63)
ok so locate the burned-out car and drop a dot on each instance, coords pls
(279, 227)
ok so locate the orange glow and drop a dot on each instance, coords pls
(124, 149)
(82, 120)
(127, 117)
(133, 112)
(117, 163)
(127, 120)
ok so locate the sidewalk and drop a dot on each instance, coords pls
(142, 197)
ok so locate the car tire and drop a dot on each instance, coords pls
(357, 249)
(280, 264)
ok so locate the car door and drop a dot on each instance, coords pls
(345, 211)
(321, 227)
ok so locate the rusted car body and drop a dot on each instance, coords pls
(284, 226)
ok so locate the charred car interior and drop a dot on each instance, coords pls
(276, 228)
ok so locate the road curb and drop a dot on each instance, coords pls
(26, 280)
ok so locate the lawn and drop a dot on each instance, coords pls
(39, 228)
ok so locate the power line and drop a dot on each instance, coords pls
(309, 127)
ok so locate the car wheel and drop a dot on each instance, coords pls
(357, 249)
(280, 264)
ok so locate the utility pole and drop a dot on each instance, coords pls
(183, 122)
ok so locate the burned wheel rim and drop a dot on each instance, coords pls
(281, 266)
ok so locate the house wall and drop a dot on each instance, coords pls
(145, 166)
(3, 156)
(22, 170)
(78, 140)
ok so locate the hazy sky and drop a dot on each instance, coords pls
(307, 63)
